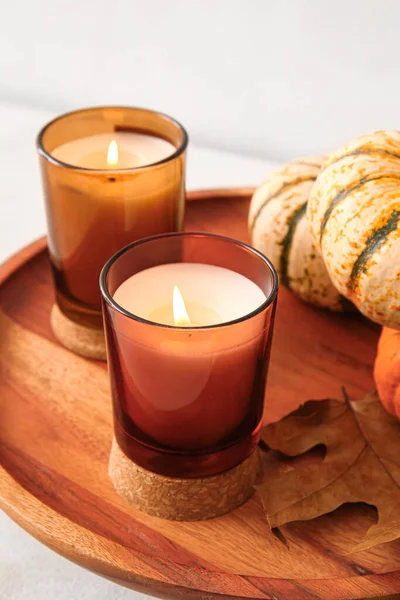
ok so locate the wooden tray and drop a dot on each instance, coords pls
(55, 436)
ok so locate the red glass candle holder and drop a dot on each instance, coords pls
(188, 401)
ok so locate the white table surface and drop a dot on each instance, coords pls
(29, 570)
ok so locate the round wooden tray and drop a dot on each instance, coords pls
(56, 432)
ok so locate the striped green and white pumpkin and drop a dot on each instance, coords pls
(279, 229)
(354, 212)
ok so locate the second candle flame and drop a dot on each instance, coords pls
(112, 154)
(181, 318)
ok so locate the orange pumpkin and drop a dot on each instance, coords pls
(387, 370)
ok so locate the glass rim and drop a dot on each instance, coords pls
(48, 156)
(269, 300)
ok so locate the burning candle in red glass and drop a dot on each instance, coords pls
(188, 320)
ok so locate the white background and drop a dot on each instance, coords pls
(260, 80)
(271, 78)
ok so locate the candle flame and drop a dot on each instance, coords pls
(181, 318)
(112, 154)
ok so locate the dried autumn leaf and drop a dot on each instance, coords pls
(362, 464)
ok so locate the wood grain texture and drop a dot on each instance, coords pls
(56, 433)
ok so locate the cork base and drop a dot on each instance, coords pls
(82, 340)
(183, 499)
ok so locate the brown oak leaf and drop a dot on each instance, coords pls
(361, 464)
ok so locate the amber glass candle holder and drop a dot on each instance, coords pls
(98, 201)
(188, 401)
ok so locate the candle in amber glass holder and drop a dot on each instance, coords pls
(188, 320)
(111, 175)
